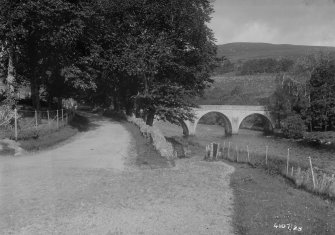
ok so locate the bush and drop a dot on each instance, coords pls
(293, 127)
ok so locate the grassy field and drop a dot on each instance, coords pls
(244, 51)
(264, 199)
(249, 90)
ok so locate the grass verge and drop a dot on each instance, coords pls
(265, 202)
(147, 155)
(49, 139)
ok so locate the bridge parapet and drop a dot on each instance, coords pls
(233, 116)
(232, 107)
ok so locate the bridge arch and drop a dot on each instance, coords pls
(226, 120)
(269, 126)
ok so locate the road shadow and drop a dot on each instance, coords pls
(83, 122)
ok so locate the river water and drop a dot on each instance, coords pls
(322, 157)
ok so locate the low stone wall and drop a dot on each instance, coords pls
(164, 147)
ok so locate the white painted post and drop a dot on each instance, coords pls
(288, 159)
(248, 154)
(310, 162)
(292, 171)
(15, 116)
(57, 120)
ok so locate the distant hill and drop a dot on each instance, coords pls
(248, 50)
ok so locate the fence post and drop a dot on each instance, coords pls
(248, 154)
(266, 155)
(310, 162)
(288, 159)
(36, 119)
(66, 118)
(236, 153)
(48, 114)
(57, 120)
(62, 117)
(228, 155)
(292, 171)
(15, 123)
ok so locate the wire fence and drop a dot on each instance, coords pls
(25, 124)
(303, 174)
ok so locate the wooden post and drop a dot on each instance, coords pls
(15, 121)
(36, 119)
(288, 159)
(266, 155)
(223, 147)
(292, 171)
(310, 162)
(248, 154)
(217, 151)
(236, 153)
(62, 117)
(228, 155)
(48, 117)
(57, 120)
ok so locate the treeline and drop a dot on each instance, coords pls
(305, 97)
(142, 56)
(254, 66)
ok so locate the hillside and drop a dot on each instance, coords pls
(247, 50)
(230, 89)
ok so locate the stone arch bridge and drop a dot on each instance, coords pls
(233, 116)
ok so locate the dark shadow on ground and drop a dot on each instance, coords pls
(6, 151)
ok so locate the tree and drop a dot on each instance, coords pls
(280, 105)
(164, 48)
(293, 127)
(323, 94)
(42, 34)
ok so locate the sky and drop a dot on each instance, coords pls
(299, 22)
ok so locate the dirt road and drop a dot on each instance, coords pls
(90, 185)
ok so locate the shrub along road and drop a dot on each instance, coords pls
(92, 185)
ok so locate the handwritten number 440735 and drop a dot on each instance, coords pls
(290, 227)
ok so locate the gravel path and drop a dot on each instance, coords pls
(89, 185)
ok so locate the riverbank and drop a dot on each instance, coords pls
(264, 201)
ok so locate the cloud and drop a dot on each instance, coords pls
(255, 32)
(273, 21)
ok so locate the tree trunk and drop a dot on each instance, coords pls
(10, 74)
(60, 103)
(129, 108)
(150, 117)
(50, 99)
(35, 97)
(146, 87)
(116, 103)
(35, 93)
